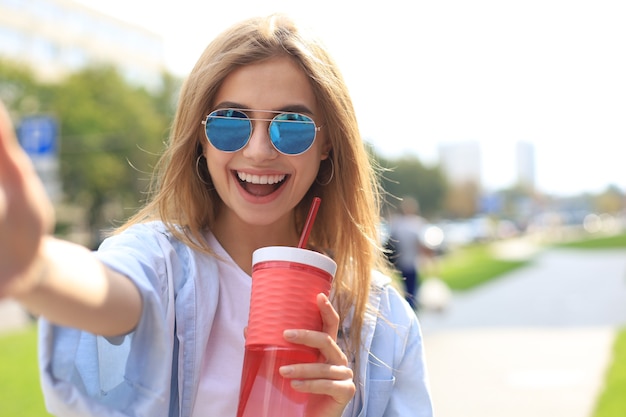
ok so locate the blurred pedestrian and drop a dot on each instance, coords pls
(406, 246)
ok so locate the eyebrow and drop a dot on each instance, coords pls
(290, 108)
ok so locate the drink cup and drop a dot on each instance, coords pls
(285, 284)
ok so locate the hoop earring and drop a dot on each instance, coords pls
(332, 174)
(198, 171)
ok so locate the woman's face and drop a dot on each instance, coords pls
(259, 185)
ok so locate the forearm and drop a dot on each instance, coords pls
(75, 289)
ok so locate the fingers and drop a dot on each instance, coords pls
(332, 380)
(333, 363)
(26, 214)
(7, 143)
(330, 318)
(9, 147)
(325, 343)
(332, 385)
(6, 129)
(323, 371)
(340, 391)
(14, 163)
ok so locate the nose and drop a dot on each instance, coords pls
(259, 146)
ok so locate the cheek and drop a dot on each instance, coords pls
(309, 165)
(217, 162)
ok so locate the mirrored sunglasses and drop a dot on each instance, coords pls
(229, 130)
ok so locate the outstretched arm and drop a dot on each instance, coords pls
(59, 280)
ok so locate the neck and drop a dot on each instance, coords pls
(239, 239)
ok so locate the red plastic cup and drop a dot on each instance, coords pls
(285, 284)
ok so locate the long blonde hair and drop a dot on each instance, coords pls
(182, 195)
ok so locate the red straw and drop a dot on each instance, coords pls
(309, 222)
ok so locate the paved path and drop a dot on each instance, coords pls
(536, 342)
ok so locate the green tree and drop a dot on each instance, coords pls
(111, 134)
(166, 98)
(407, 176)
(19, 90)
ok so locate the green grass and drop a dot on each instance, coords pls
(469, 266)
(603, 242)
(612, 401)
(20, 392)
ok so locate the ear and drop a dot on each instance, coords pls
(326, 150)
(201, 145)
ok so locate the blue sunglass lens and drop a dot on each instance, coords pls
(292, 133)
(228, 130)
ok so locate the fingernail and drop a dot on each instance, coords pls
(296, 383)
(286, 370)
(290, 334)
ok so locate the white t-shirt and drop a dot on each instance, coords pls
(218, 392)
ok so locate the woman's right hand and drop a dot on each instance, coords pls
(331, 379)
(26, 215)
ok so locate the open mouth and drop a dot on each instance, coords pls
(260, 185)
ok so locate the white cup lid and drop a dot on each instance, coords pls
(291, 254)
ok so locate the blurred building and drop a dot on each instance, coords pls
(525, 164)
(461, 162)
(57, 37)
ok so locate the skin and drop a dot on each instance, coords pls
(19, 191)
(65, 283)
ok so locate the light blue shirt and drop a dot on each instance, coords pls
(146, 374)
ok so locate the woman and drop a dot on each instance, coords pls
(168, 294)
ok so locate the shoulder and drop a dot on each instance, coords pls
(379, 280)
(387, 300)
(147, 238)
(146, 250)
(141, 231)
(392, 325)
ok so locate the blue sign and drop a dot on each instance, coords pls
(38, 135)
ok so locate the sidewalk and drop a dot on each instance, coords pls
(534, 343)
(517, 372)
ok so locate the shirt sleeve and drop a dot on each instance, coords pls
(87, 375)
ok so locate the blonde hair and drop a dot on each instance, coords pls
(348, 217)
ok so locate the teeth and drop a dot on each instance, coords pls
(260, 179)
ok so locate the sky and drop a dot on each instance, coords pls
(426, 73)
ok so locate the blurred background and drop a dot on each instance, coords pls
(498, 118)
(503, 119)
